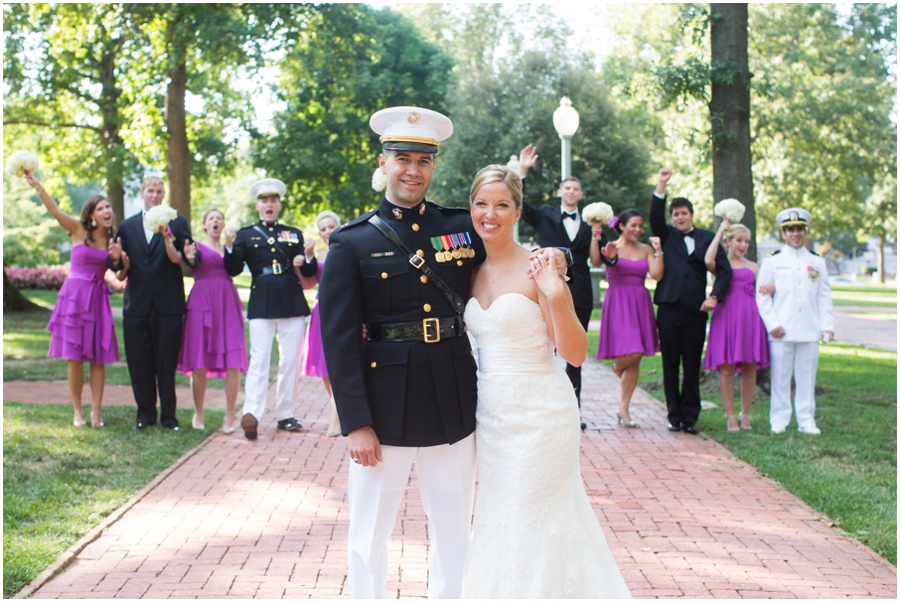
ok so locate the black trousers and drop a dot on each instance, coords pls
(681, 337)
(152, 344)
(584, 316)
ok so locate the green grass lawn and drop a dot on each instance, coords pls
(59, 482)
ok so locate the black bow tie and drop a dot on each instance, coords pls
(689, 234)
(570, 215)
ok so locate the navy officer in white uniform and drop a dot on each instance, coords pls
(797, 316)
(275, 254)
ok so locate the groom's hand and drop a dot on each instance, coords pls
(364, 446)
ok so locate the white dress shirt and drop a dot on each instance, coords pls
(571, 225)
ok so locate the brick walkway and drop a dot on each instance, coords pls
(268, 519)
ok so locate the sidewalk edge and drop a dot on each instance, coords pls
(69, 555)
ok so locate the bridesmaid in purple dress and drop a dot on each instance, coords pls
(213, 343)
(627, 325)
(81, 324)
(314, 362)
(737, 335)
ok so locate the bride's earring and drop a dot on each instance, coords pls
(93, 223)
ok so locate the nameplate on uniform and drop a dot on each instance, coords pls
(452, 246)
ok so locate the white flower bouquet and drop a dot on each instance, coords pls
(597, 212)
(21, 161)
(379, 182)
(513, 163)
(730, 209)
(159, 217)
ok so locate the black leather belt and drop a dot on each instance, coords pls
(429, 330)
(275, 269)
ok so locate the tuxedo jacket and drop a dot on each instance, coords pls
(413, 394)
(153, 282)
(684, 278)
(548, 221)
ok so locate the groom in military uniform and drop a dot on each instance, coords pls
(408, 392)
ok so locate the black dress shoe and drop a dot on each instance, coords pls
(690, 429)
(674, 427)
(249, 424)
(141, 426)
(289, 424)
(171, 427)
(583, 425)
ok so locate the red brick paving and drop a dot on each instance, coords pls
(268, 519)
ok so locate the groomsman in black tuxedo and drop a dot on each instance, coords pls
(561, 226)
(682, 301)
(153, 305)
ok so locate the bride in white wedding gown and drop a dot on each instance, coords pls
(535, 534)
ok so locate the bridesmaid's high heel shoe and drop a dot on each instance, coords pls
(78, 423)
(97, 424)
(732, 423)
(745, 420)
(197, 423)
(631, 424)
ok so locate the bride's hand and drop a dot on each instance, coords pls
(546, 275)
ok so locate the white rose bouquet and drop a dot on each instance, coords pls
(730, 209)
(20, 162)
(159, 217)
(379, 182)
(597, 212)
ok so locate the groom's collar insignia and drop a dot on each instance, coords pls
(397, 213)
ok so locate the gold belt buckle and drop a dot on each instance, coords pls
(276, 268)
(433, 322)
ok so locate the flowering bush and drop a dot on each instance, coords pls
(51, 278)
(42, 277)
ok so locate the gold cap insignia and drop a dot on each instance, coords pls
(413, 117)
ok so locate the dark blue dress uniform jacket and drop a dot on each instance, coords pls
(414, 394)
(272, 296)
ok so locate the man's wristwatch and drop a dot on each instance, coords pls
(568, 253)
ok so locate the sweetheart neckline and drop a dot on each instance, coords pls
(500, 297)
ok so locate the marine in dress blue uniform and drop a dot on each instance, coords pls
(274, 253)
(408, 392)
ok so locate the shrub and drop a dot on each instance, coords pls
(42, 277)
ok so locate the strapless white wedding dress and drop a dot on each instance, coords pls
(535, 534)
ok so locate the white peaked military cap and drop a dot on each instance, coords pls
(411, 129)
(268, 186)
(793, 216)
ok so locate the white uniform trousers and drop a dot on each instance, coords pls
(447, 483)
(801, 359)
(290, 340)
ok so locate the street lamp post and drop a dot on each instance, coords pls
(565, 120)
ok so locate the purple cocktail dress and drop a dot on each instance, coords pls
(314, 362)
(627, 324)
(736, 331)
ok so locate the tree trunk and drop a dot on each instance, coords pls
(113, 146)
(879, 260)
(13, 300)
(729, 111)
(178, 156)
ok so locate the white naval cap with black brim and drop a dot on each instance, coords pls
(793, 216)
(411, 129)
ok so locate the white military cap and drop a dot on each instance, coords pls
(411, 129)
(793, 216)
(267, 187)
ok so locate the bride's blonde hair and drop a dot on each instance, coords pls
(498, 173)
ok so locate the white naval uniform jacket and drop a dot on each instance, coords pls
(802, 300)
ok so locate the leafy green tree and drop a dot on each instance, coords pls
(823, 91)
(344, 62)
(64, 66)
(512, 67)
(202, 49)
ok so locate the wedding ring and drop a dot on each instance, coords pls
(356, 461)
(539, 268)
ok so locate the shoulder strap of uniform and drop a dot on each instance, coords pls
(419, 263)
(774, 253)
